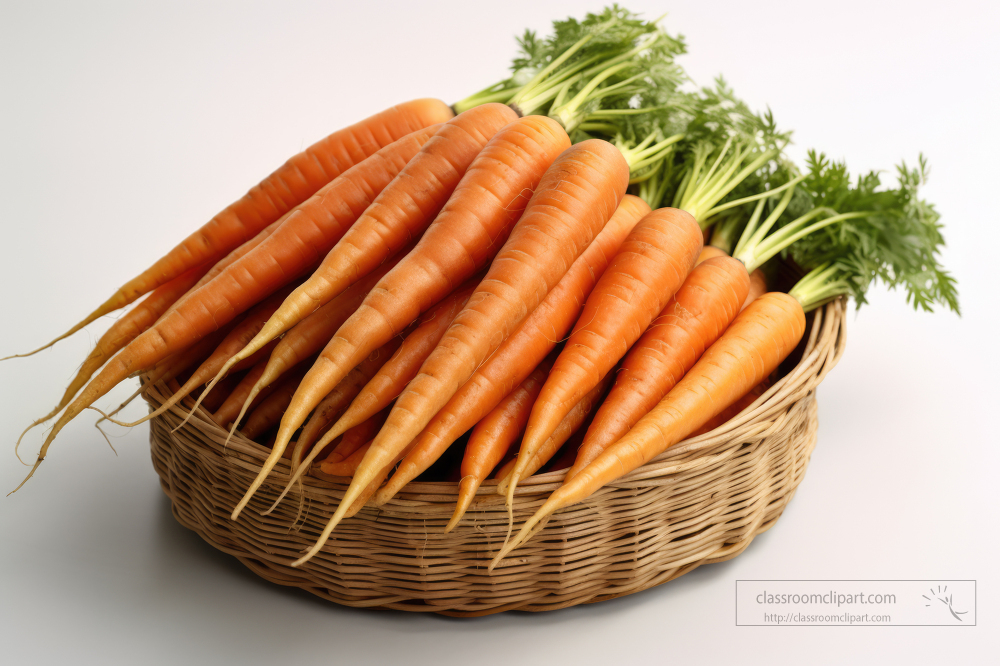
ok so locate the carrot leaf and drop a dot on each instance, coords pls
(896, 240)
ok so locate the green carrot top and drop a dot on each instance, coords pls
(590, 73)
(849, 236)
(898, 243)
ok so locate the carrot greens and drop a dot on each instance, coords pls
(897, 243)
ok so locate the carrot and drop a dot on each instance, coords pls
(297, 180)
(228, 411)
(214, 401)
(399, 214)
(330, 409)
(348, 465)
(710, 251)
(695, 317)
(750, 350)
(233, 341)
(490, 440)
(567, 454)
(354, 438)
(734, 409)
(181, 362)
(572, 422)
(311, 334)
(518, 356)
(758, 279)
(393, 377)
(164, 371)
(294, 246)
(369, 490)
(758, 287)
(226, 261)
(506, 469)
(462, 239)
(649, 268)
(576, 197)
(167, 370)
(334, 404)
(269, 412)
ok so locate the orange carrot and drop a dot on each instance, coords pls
(228, 411)
(490, 440)
(750, 350)
(649, 268)
(695, 317)
(572, 422)
(267, 415)
(334, 404)
(354, 438)
(312, 333)
(393, 376)
(131, 325)
(230, 258)
(758, 280)
(709, 252)
(290, 249)
(224, 389)
(175, 365)
(348, 465)
(537, 335)
(758, 287)
(478, 217)
(233, 342)
(567, 454)
(180, 363)
(297, 180)
(575, 199)
(734, 409)
(368, 491)
(401, 213)
(505, 469)
(184, 362)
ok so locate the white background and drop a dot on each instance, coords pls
(125, 126)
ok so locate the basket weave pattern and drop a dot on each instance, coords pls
(700, 502)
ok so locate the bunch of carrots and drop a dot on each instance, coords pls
(571, 268)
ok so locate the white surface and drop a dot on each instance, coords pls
(123, 127)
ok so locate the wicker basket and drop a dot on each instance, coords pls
(702, 501)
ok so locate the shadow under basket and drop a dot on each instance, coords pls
(700, 502)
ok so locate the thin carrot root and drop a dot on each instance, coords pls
(243, 410)
(197, 404)
(107, 417)
(530, 529)
(355, 498)
(367, 494)
(107, 307)
(105, 435)
(33, 425)
(467, 488)
(131, 424)
(215, 380)
(508, 485)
